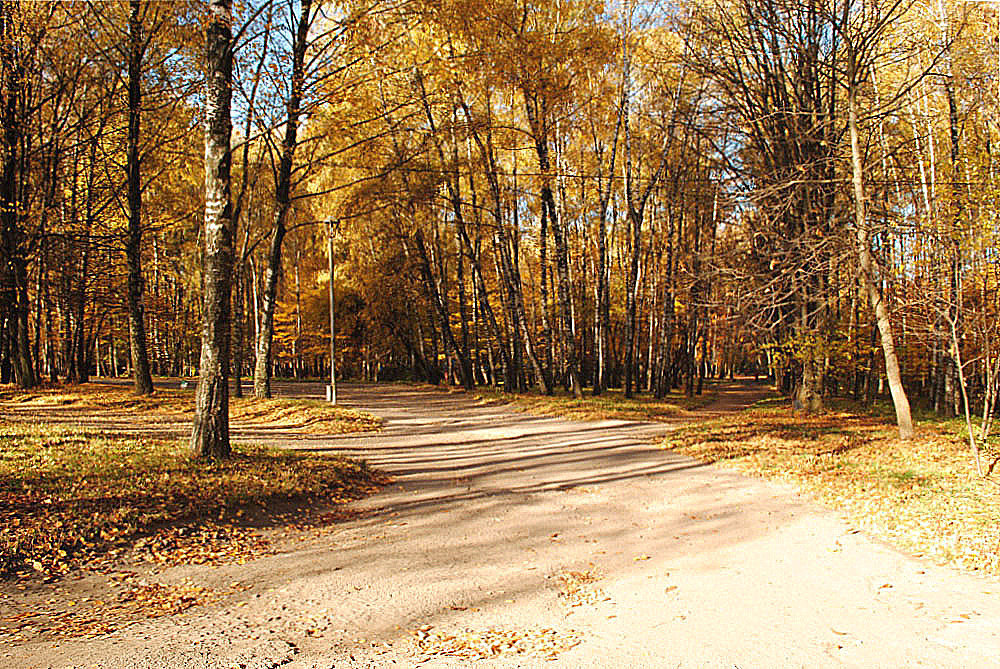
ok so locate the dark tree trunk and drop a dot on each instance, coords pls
(444, 318)
(512, 277)
(603, 301)
(13, 245)
(537, 118)
(602, 319)
(24, 367)
(635, 202)
(509, 274)
(283, 202)
(454, 195)
(265, 333)
(242, 277)
(548, 336)
(6, 368)
(665, 379)
(82, 374)
(479, 286)
(463, 320)
(239, 336)
(79, 370)
(142, 382)
(950, 372)
(631, 295)
(210, 433)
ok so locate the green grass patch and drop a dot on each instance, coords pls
(68, 496)
(922, 495)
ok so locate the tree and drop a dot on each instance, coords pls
(635, 198)
(283, 200)
(862, 31)
(141, 379)
(772, 64)
(18, 47)
(210, 434)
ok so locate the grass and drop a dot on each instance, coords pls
(609, 405)
(67, 497)
(71, 494)
(921, 495)
(311, 416)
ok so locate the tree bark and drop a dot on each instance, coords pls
(602, 324)
(444, 318)
(210, 433)
(536, 111)
(283, 202)
(603, 304)
(13, 252)
(665, 373)
(631, 290)
(899, 400)
(453, 185)
(507, 270)
(239, 336)
(142, 382)
(635, 206)
(468, 363)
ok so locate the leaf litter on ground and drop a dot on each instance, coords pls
(74, 498)
(579, 587)
(68, 498)
(473, 645)
(921, 495)
(304, 415)
(611, 405)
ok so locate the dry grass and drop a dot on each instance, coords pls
(611, 405)
(70, 492)
(921, 495)
(310, 416)
(68, 497)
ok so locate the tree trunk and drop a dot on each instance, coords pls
(444, 318)
(283, 202)
(665, 375)
(631, 290)
(468, 367)
(899, 400)
(512, 277)
(210, 433)
(142, 382)
(297, 343)
(548, 335)
(537, 117)
(603, 304)
(25, 368)
(13, 254)
(239, 337)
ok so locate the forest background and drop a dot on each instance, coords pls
(556, 194)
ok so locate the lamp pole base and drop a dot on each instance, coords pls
(331, 394)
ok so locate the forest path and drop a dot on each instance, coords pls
(579, 543)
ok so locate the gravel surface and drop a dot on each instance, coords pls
(509, 540)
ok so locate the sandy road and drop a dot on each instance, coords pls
(502, 526)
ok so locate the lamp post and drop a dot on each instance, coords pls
(331, 389)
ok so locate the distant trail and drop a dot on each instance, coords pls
(505, 528)
(736, 395)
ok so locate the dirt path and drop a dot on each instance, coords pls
(577, 543)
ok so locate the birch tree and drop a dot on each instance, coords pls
(210, 434)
